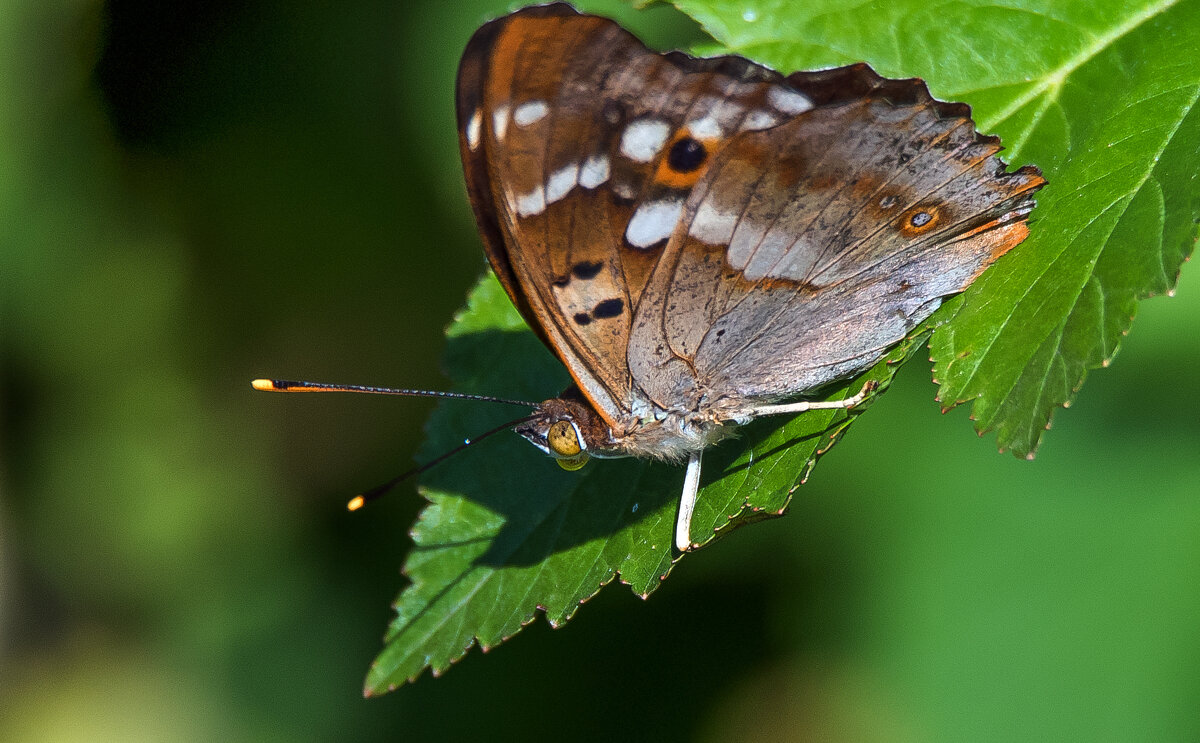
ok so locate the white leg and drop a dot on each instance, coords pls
(803, 405)
(687, 503)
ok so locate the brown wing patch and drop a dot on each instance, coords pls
(581, 148)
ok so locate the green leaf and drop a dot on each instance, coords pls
(507, 533)
(1102, 96)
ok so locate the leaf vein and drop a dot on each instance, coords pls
(1053, 81)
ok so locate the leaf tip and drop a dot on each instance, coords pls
(371, 691)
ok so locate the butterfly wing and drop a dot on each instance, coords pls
(581, 148)
(809, 249)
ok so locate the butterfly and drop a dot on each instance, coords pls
(701, 242)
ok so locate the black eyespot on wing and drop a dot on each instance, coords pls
(582, 318)
(586, 269)
(686, 155)
(608, 308)
(920, 220)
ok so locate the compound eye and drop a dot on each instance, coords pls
(563, 441)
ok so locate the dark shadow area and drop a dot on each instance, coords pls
(544, 509)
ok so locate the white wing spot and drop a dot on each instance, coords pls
(623, 190)
(530, 113)
(706, 128)
(500, 122)
(788, 101)
(741, 244)
(473, 128)
(728, 87)
(560, 184)
(712, 226)
(653, 222)
(759, 119)
(532, 203)
(799, 263)
(768, 255)
(643, 139)
(594, 171)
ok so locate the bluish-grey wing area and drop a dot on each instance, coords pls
(811, 248)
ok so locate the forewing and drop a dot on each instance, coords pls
(567, 124)
(810, 248)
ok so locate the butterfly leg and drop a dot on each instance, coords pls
(803, 405)
(687, 503)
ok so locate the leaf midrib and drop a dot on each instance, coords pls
(1051, 83)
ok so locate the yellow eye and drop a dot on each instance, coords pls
(562, 439)
(564, 443)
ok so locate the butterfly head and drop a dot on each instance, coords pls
(568, 429)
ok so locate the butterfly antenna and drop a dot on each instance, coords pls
(281, 385)
(359, 500)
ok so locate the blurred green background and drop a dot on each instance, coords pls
(198, 193)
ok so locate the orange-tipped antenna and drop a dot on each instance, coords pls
(357, 502)
(281, 385)
(361, 499)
